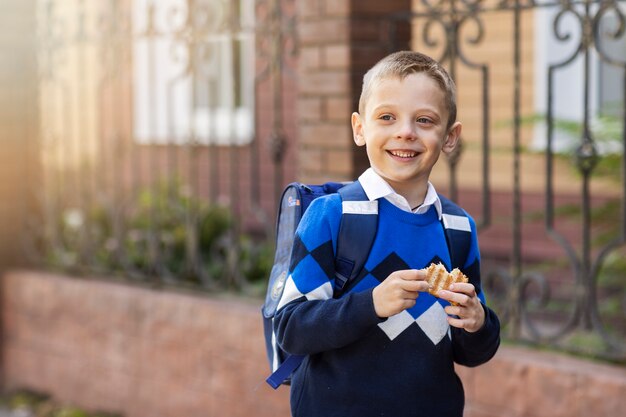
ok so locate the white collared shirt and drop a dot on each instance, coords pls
(376, 187)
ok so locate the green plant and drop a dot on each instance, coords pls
(37, 404)
(166, 233)
(25, 399)
(606, 132)
(69, 412)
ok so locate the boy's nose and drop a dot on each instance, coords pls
(407, 131)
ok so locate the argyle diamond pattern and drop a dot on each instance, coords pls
(428, 312)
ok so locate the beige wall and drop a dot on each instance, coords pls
(495, 50)
(19, 171)
(72, 68)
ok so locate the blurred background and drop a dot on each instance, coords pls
(145, 144)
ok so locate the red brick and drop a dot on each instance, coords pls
(502, 377)
(162, 346)
(312, 158)
(318, 177)
(310, 109)
(379, 7)
(175, 354)
(474, 411)
(550, 392)
(337, 7)
(309, 9)
(310, 58)
(337, 162)
(338, 109)
(325, 83)
(323, 31)
(602, 396)
(336, 57)
(326, 135)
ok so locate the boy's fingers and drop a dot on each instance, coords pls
(413, 274)
(459, 293)
(454, 297)
(454, 322)
(471, 322)
(410, 295)
(463, 287)
(415, 286)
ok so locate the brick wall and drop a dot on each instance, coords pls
(151, 353)
(370, 40)
(339, 41)
(143, 352)
(324, 92)
(521, 382)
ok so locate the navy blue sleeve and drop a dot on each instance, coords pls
(473, 349)
(307, 327)
(308, 319)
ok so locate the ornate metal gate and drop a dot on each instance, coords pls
(164, 121)
(573, 294)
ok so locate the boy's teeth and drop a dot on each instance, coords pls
(403, 154)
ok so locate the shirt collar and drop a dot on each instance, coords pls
(376, 187)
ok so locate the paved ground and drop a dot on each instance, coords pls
(17, 413)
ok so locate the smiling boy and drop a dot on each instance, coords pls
(387, 347)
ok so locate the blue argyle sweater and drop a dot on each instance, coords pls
(359, 364)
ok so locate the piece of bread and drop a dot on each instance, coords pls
(439, 278)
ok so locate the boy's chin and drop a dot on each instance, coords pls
(408, 179)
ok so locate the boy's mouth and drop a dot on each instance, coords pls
(403, 154)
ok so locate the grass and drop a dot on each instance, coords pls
(36, 404)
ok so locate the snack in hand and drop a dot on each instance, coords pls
(439, 278)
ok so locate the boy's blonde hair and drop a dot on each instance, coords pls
(403, 63)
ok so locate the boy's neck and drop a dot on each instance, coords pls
(414, 193)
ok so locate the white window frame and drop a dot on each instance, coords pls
(165, 105)
(568, 102)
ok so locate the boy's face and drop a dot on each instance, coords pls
(404, 129)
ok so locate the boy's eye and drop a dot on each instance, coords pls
(423, 120)
(386, 117)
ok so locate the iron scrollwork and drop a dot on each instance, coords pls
(524, 297)
(588, 15)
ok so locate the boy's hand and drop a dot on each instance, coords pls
(470, 312)
(398, 292)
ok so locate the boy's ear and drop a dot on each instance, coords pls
(452, 138)
(357, 129)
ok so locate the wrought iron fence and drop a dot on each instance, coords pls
(573, 296)
(164, 135)
(162, 126)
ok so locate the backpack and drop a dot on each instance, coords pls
(359, 221)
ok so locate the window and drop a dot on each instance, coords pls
(610, 76)
(605, 80)
(193, 72)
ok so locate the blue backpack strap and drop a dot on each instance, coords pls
(357, 231)
(458, 231)
(284, 370)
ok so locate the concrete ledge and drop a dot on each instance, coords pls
(524, 382)
(133, 350)
(144, 352)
